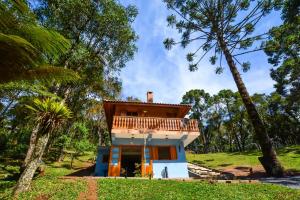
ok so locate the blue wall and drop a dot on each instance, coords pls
(175, 168)
(101, 168)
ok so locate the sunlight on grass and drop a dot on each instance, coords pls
(289, 156)
(166, 189)
(50, 185)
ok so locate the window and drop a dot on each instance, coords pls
(132, 114)
(147, 156)
(164, 153)
(115, 156)
(105, 158)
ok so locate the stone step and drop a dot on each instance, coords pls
(203, 172)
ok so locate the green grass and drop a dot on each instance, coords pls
(167, 189)
(53, 187)
(50, 185)
(289, 157)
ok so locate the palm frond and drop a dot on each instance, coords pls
(48, 73)
(45, 73)
(37, 89)
(48, 42)
(49, 110)
(16, 55)
(9, 10)
(25, 46)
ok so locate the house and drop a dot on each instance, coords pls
(147, 139)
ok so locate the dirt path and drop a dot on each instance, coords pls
(253, 172)
(91, 193)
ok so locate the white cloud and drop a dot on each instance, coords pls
(166, 72)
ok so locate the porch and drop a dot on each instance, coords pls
(151, 128)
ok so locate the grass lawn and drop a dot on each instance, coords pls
(289, 157)
(167, 189)
(53, 187)
(50, 185)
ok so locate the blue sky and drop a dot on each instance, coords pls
(166, 72)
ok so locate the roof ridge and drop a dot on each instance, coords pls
(142, 102)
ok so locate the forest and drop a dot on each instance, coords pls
(225, 126)
(58, 66)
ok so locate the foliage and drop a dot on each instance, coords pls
(137, 170)
(25, 46)
(210, 23)
(227, 27)
(99, 44)
(49, 112)
(283, 51)
(51, 185)
(102, 41)
(224, 124)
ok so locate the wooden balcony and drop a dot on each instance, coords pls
(154, 123)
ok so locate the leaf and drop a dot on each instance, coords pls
(169, 42)
(213, 60)
(171, 19)
(219, 70)
(193, 67)
(48, 42)
(249, 27)
(190, 57)
(17, 55)
(246, 66)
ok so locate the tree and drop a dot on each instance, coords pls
(26, 47)
(49, 116)
(283, 50)
(200, 101)
(79, 140)
(226, 27)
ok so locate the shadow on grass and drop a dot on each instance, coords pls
(198, 162)
(246, 153)
(225, 165)
(243, 168)
(294, 149)
(292, 172)
(88, 171)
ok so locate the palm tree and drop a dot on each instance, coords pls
(49, 115)
(26, 48)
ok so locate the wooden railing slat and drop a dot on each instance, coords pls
(167, 124)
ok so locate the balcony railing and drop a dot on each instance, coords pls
(155, 123)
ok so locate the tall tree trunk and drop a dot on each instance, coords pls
(231, 126)
(61, 156)
(31, 147)
(25, 179)
(237, 141)
(269, 159)
(230, 142)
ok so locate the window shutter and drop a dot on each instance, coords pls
(173, 153)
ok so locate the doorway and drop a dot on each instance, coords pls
(131, 159)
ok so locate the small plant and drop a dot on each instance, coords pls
(149, 175)
(137, 172)
(123, 172)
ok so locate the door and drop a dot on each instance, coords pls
(147, 161)
(115, 161)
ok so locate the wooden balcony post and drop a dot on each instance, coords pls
(166, 124)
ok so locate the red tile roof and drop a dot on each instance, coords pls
(146, 103)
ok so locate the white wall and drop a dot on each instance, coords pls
(176, 168)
